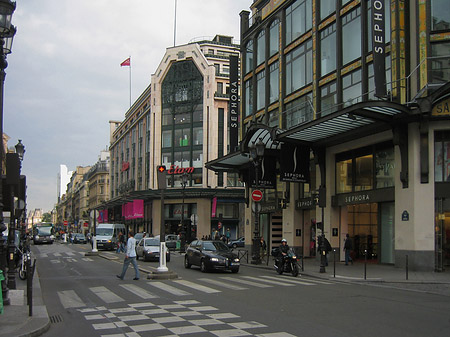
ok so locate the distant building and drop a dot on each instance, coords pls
(63, 178)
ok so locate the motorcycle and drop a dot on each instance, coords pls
(287, 263)
(25, 256)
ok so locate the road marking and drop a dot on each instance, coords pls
(277, 282)
(222, 284)
(55, 261)
(138, 291)
(289, 280)
(69, 299)
(57, 254)
(197, 286)
(106, 295)
(87, 259)
(169, 289)
(250, 283)
(70, 253)
(43, 255)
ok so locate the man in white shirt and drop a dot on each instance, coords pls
(130, 257)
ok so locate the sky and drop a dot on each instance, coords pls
(64, 82)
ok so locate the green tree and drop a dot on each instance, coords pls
(47, 217)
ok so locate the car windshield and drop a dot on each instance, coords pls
(104, 231)
(79, 235)
(215, 245)
(44, 230)
(151, 242)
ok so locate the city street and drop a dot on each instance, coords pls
(84, 297)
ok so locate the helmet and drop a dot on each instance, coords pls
(284, 240)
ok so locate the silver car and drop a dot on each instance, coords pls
(148, 249)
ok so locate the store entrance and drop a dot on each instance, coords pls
(442, 234)
(363, 230)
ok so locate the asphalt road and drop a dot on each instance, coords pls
(84, 298)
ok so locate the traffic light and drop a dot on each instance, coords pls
(161, 176)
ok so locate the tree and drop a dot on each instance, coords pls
(47, 217)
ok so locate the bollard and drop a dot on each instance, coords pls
(303, 265)
(334, 263)
(365, 264)
(407, 267)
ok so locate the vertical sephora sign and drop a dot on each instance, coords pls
(378, 41)
(234, 102)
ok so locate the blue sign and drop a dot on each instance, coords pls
(405, 216)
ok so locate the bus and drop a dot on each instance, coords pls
(43, 233)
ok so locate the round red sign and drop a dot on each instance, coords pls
(257, 195)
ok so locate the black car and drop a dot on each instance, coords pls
(211, 255)
(79, 238)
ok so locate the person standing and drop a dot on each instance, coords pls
(130, 257)
(347, 249)
(263, 247)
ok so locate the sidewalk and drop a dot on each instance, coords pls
(15, 320)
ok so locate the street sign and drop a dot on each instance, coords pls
(257, 195)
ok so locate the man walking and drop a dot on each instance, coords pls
(130, 257)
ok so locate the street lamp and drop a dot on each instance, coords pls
(184, 181)
(257, 154)
(7, 32)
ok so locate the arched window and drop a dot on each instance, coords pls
(249, 56)
(274, 37)
(261, 47)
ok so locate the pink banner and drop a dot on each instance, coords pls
(138, 209)
(214, 207)
(102, 216)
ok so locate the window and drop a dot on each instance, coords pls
(387, 24)
(384, 168)
(298, 111)
(261, 47)
(440, 15)
(364, 173)
(298, 19)
(328, 98)
(299, 70)
(182, 137)
(371, 79)
(328, 49)
(249, 57)
(351, 88)
(260, 90)
(351, 40)
(274, 82)
(248, 98)
(440, 64)
(198, 135)
(197, 158)
(167, 138)
(344, 169)
(274, 37)
(442, 157)
(219, 87)
(167, 159)
(326, 8)
(182, 158)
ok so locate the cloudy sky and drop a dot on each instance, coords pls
(64, 81)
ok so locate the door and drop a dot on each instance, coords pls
(387, 235)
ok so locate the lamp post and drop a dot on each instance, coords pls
(257, 154)
(7, 32)
(184, 181)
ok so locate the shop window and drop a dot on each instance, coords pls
(182, 137)
(261, 47)
(182, 158)
(298, 19)
(326, 8)
(384, 168)
(197, 158)
(274, 37)
(248, 98)
(274, 82)
(233, 180)
(298, 111)
(344, 175)
(167, 138)
(351, 42)
(442, 161)
(260, 90)
(364, 173)
(328, 49)
(198, 135)
(351, 88)
(440, 15)
(328, 97)
(197, 178)
(249, 57)
(299, 67)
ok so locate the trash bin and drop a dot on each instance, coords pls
(1, 293)
(178, 246)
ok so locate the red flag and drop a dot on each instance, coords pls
(126, 63)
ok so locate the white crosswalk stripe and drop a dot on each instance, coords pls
(197, 286)
(69, 299)
(138, 291)
(292, 281)
(222, 284)
(169, 288)
(250, 283)
(106, 295)
(314, 281)
(278, 282)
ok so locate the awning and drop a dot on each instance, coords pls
(360, 119)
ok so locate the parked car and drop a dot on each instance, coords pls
(211, 255)
(237, 243)
(148, 249)
(171, 241)
(79, 238)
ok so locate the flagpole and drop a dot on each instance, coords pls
(175, 25)
(130, 81)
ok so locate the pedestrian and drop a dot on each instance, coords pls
(228, 234)
(263, 247)
(347, 249)
(322, 240)
(121, 243)
(130, 257)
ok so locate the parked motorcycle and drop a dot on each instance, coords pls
(25, 256)
(287, 263)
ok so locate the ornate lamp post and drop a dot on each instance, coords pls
(184, 181)
(257, 154)
(7, 32)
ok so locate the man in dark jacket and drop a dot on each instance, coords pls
(283, 249)
(347, 249)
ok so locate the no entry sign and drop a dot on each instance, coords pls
(257, 195)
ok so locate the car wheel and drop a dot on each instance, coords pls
(234, 245)
(235, 270)
(203, 266)
(187, 265)
(168, 258)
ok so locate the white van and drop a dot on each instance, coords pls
(107, 235)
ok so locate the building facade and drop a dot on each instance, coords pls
(180, 121)
(357, 91)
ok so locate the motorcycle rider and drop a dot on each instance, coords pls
(284, 249)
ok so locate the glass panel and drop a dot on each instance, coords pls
(299, 67)
(440, 67)
(385, 168)
(248, 98)
(438, 163)
(351, 88)
(249, 57)
(274, 37)
(328, 99)
(328, 49)
(364, 173)
(167, 138)
(197, 157)
(198, 136)
(326, 8)
(260, 90)
(298, 19)
(298, 111)
(274, 82)
(351, 42)
(261, 45)
(440, 15)
(344, 176)
(387, 240)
